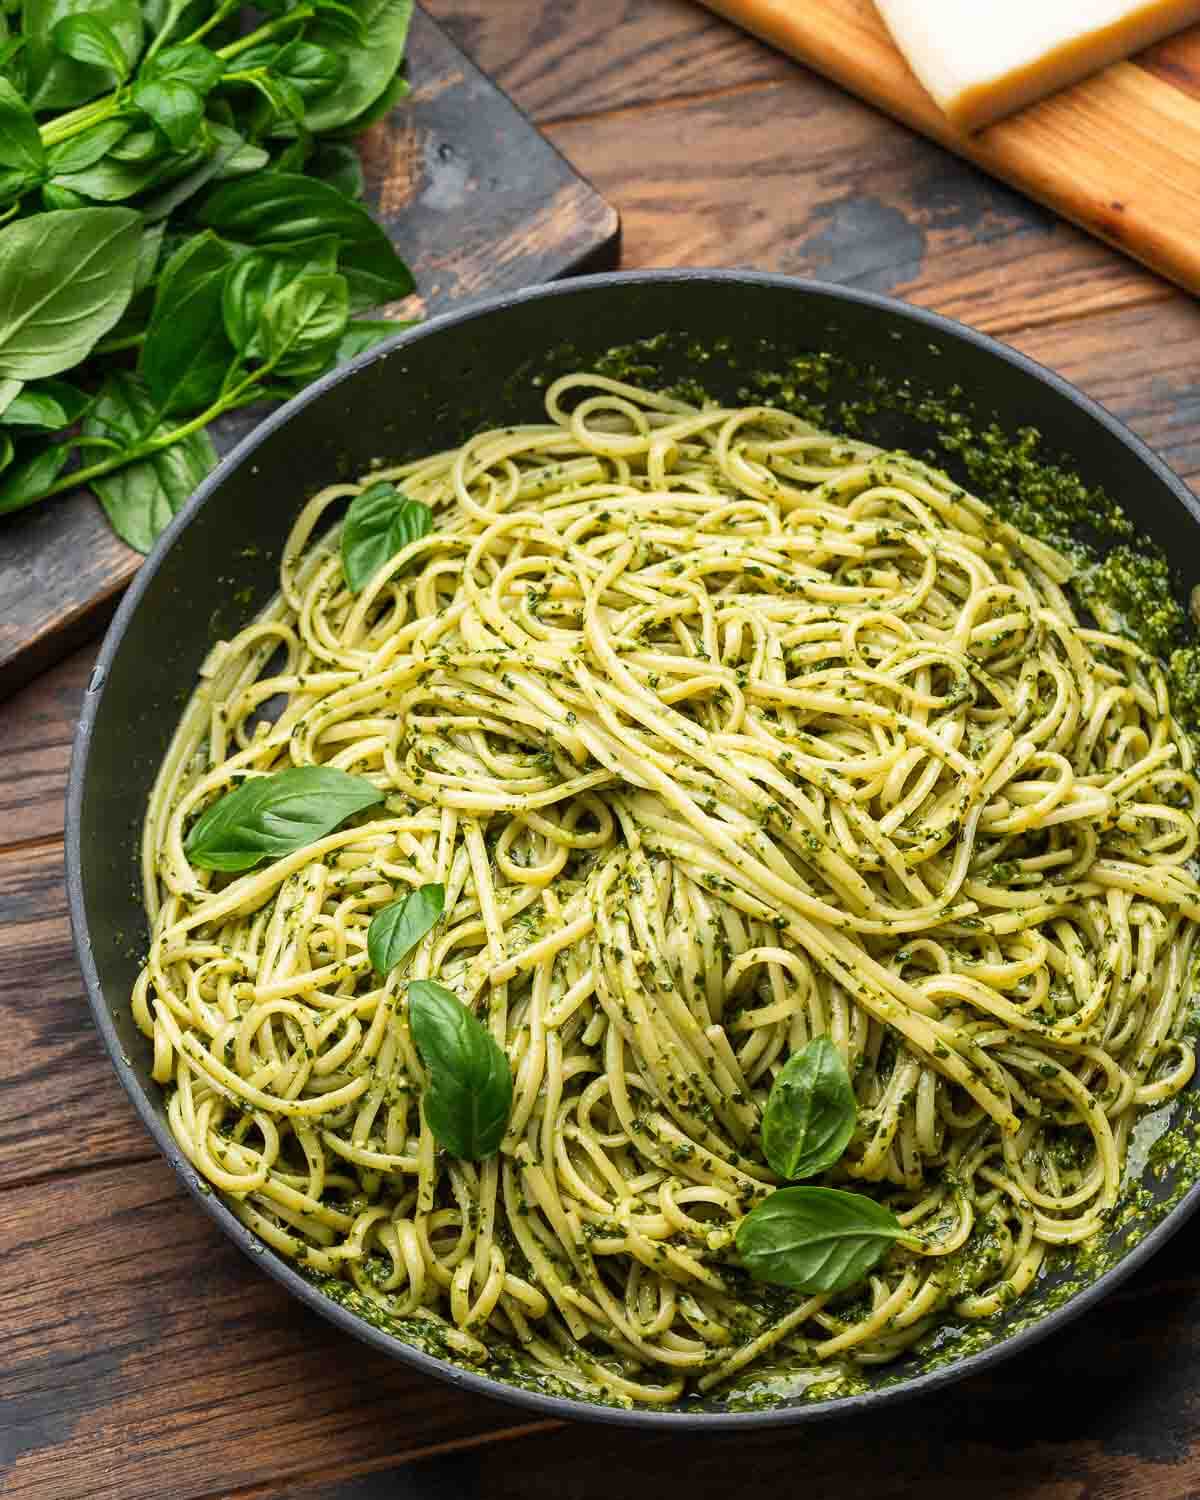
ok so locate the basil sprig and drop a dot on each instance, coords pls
(380, 522)
(146, 151)
(269, 816)
(396, 930)
(813, 1239)
(810, 1114)
(469, 1097)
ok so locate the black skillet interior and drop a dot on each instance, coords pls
(484, 366)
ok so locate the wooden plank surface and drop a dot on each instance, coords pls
(144, 1356)
(477, 202)
(1118, 153)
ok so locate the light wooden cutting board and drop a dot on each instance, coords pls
(1119, 153)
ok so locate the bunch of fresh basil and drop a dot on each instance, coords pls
(813, 1239)
(181, 230)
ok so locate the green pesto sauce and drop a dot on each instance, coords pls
(1042, 494)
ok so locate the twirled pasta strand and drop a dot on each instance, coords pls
(721, 733)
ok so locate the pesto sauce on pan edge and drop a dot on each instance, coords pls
(1043, 496)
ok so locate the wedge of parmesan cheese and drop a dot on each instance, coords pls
(983, 59)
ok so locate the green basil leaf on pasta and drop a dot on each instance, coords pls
(469, 1097)
(397, 929)
(269, 816)
(380, 522)
(816, 1239)
(810, 1113)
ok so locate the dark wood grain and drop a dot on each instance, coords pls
(35, 750)
(476, 200)
(118, 1383)
(61, 1107)
(797, 177)
(581, 58)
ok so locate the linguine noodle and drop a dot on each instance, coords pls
(722, 734)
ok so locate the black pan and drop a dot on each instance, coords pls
(431, 388)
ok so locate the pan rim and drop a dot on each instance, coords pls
(141, 1098)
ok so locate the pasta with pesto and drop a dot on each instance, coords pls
(722, 734)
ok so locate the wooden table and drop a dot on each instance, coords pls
(142, 1357)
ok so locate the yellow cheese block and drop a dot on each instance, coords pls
(984, 59)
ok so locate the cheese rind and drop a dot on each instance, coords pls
(984, 59)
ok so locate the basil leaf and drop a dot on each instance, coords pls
(6, 451)
(238, 155)
(163, 204)
(88, 40)
(256, 278)
(269, 816)
(338, 164)
(380, 522)
(112, 180)
(24, 482)
(20, 141)
(374, 272)
(281, 208)
(65, 280)
(311, 70)
(86, 148)
(397, 929)
(362, 334)
(34, 408)
(139, 146)
(341, 19)
(9, 50)
(469, 1097)
(57, 81)
(189, 63)
(371, 59)
(141, 498)
(396, 91)
(13, 186)
(149, 249)
(810, 1114)
(9, 391)
(285, 99)
(176, 108)
(303, 323)
(186, 355)
(815, 1239)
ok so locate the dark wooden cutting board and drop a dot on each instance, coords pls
(476, 200)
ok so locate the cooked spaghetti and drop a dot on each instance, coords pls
(722, 734)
